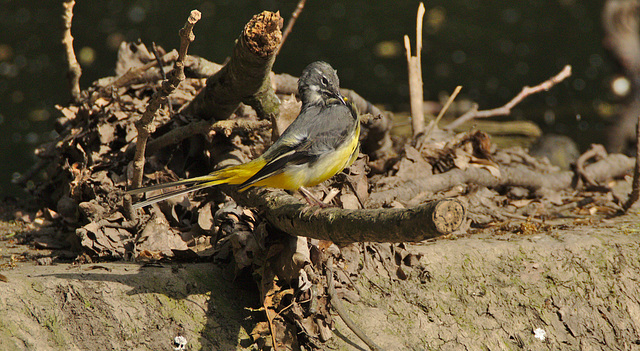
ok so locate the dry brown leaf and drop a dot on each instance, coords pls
(521, 203)
(349, 201)
(101, 102)
(120, 115)
(159, 236)
(205, 217)
(69, 112)
(413, 165)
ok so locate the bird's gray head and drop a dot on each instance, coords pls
(319, 84)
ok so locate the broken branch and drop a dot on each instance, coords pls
(415, 76)
(420, 142)
(597, 151)
(290, 215)
(245, 78)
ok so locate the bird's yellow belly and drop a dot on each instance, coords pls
(329, 165)
(295, 176)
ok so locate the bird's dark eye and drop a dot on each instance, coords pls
(324, 81)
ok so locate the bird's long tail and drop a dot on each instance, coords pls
(230, 175)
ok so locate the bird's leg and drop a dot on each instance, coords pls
(312, 200)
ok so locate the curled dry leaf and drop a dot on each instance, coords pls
(158, 236)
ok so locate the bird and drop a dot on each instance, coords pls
(322, 141)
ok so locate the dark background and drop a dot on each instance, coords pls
(491, 48)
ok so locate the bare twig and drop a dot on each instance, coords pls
(292, 21)
(144, 125)
(342, 312)
(635, 185)
(225, 126)
(161, 69)
(415, 76)
(423, 138)
(154, 48)
(75, 71)
(506, 109)
(134, 74)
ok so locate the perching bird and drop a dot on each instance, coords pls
(319, 143)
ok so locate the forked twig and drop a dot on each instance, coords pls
(144, 125)
(506, 109)
(415, 76)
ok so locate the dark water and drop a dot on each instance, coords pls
(491, 48)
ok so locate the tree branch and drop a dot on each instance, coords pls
(294, 217)
(74, 70)
(292, 21)
(506, 109)
(613, 166)
(245, 78)
(144, 125)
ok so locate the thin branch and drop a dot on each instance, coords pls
(342, 312)
(134, 74)
(635, 185)
(75, 71)
(154, 48)
(434, 124)
(292, 21)
(226, 126)
(145, 126)
(506, 109)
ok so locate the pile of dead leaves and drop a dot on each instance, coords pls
(85, 172)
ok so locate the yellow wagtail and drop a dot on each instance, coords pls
(320, 142)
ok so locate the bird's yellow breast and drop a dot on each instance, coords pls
(295, 176)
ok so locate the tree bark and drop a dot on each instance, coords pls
(419, 223)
